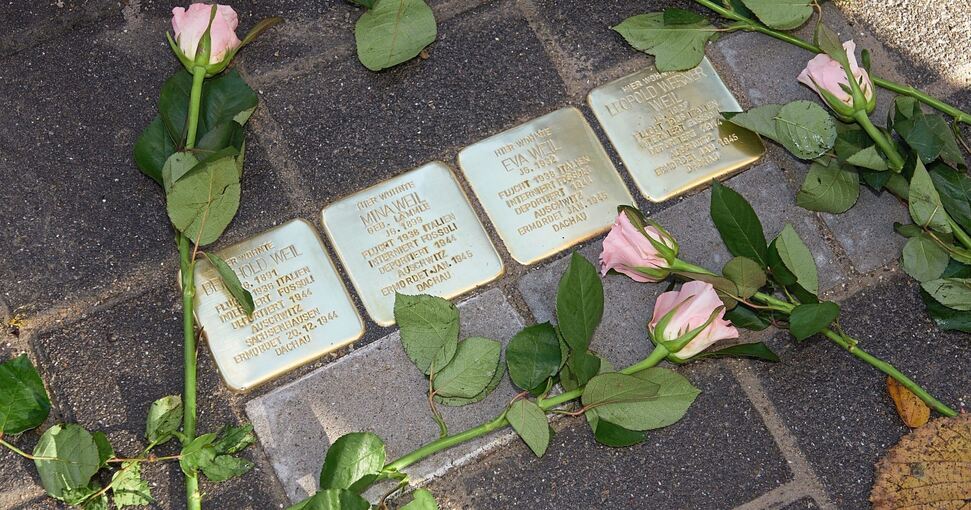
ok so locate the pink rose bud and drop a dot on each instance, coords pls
(827, 77)
(190, 25)
(639, 254)
(695, 312)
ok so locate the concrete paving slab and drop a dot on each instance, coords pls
(106, 370)
(717, 457)
(802, 504)
(25, 24)
(838, 407)
(76, 215)
(349, 128)
(378, 389)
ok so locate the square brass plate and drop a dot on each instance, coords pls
(414, 234)
(302, 308)
(668, 131)
(546, 185)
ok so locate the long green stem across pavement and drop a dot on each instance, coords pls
(187, 267)
(751, 25)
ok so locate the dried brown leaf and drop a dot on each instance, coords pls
(930, 468)
(912, 410)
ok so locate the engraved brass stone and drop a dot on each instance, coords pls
(546, 185)
(668, 131)
(302, 311)
(414, 234)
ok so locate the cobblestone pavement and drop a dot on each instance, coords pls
(88, 265)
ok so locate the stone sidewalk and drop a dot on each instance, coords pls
(87, 279)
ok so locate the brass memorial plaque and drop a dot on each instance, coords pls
(547, 184)
(668, 131)
(415, 234)
(302, 308)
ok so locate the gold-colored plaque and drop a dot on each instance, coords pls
(414, 234)
(547, 184)
(668, 131)
(302, 310)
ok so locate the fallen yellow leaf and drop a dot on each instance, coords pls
(912, 410)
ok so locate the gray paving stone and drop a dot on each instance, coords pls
(378, 389)
(106, 370)
(349, 128)
(24, 24)
(582, 29)
(717, 457)
(75, 213)
(865, 232)
(622, 338)
(838, 407)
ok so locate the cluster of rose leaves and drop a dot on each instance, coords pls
(72, 461)
(933, 179)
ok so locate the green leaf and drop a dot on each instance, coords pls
(79, 495)
(738, 224)
(178, 164)
(164, 418)
(394, 31)
(203, 202)
(529, 421)
(105, 450)
(925, 203)
(946, 318)
(353, 462)
(798, 259)
(75, 459)
(226, 98)
(533, 356)
(809, 319)
(756, 350)
(128, 488)
(760, 119)
(153, 148)
(832, 188)
(907, 230)
(242, 296)
(746, 274)
(173, 106)
(781, 14)
(676, 45)
(921, 134)
(583, 366)
(579, 303)
(461, 401)
(423, 500)
(868, 158)
(923, 259)
(954, 189)
(333, 499)
(650, 399)
(224, 467)
(24, 403)
(429, 330)
(224, 139)
(197, 454)
(744, 317)
(830, 43)
(805, 129)
(610, 434)
(473, 367)
(951, 292)
(234, 439)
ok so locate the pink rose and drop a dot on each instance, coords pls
(190, 25)
(827, 77)
(628, 250)
(690, 308)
